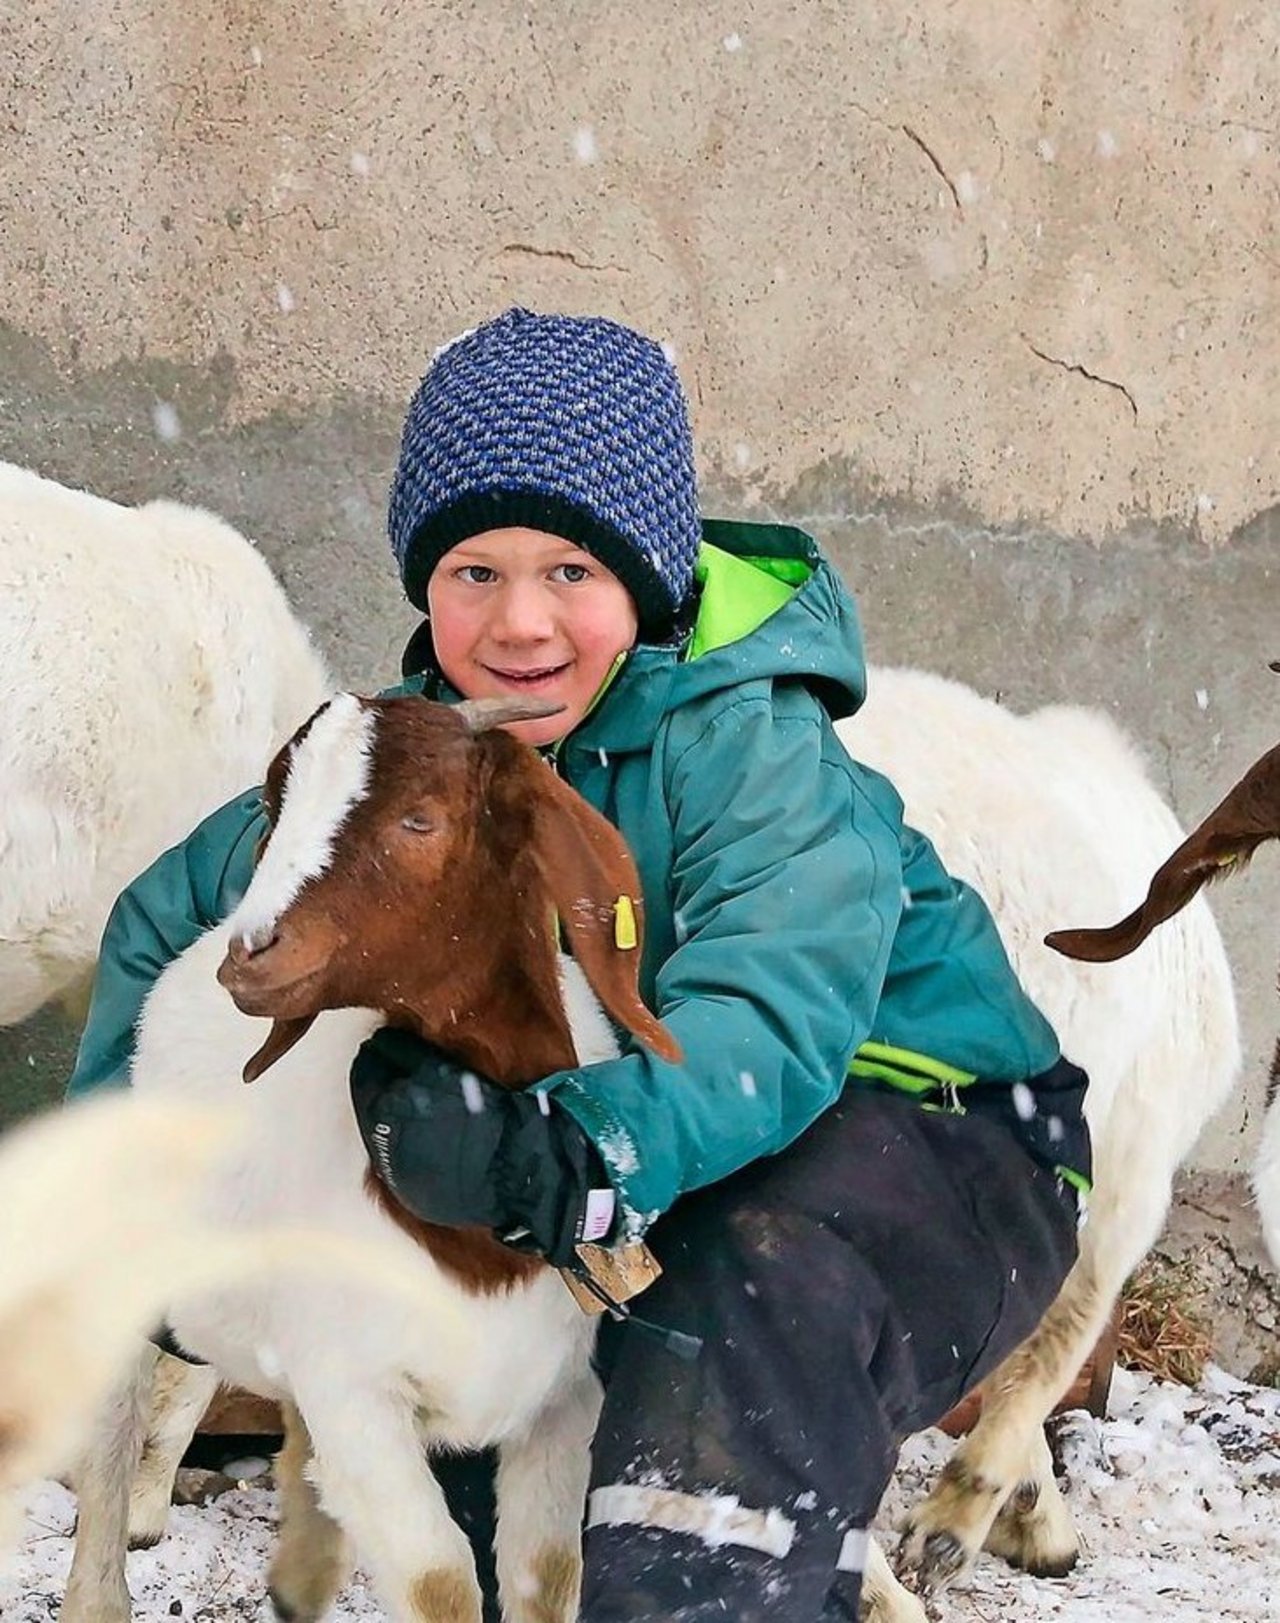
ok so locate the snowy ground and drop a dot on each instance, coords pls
(1177, 1496)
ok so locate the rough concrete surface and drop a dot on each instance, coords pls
(1214, 1229)
(988, 295)
(1023, 253)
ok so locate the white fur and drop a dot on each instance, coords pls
(1052, 817)
(150, 666)
(372, 1375)
(1266, 1179)
(325, 780)
(101, 1224)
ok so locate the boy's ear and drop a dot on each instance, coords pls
(585, 865)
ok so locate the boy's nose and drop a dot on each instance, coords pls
(523, 614)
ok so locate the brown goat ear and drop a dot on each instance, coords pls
(280, 1039)
(588, 870)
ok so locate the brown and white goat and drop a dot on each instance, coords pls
(1247, 817)
(416, 865)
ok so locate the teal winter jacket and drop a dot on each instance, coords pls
(796, 931)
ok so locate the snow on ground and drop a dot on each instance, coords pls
(1176, 1495)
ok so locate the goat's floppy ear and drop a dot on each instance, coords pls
(1228, 837)
(588, 870)
(280, 1039)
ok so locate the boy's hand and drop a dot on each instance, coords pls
(454, 1148)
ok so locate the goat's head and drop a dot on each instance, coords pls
(1223, 843)
(416, 863)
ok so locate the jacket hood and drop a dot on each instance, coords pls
(770, 607)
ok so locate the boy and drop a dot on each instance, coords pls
(852, 1217)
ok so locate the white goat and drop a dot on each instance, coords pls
(414, 868)
(1247, 817)
(101, 1226)
(1049, 815)
(98, 1224)
(149, 664)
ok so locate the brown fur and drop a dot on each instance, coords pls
(439, 908)
(557, 1579)
(444, 1597)
(1224, 842)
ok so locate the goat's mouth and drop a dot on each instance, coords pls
(270, 993)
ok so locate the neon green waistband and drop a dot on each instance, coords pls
(904, 1068)
(920, 1074)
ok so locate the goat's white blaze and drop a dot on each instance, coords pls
(328, 774)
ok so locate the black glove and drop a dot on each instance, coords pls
(454, 1148)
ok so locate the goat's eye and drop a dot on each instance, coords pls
(417, 823)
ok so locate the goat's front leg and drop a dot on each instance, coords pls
(371, 1473)
(884, 1600)
(96, 1589)
(312, 1556)
(541, 1492)
(180, 1394)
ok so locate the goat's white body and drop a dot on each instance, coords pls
(375, 1375)
(1266, 1179)
(483, 1364)
(1053, 819)
(150, 666)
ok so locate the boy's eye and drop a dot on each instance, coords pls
(571, 574)
(477, 574)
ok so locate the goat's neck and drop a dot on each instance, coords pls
(507, 1019)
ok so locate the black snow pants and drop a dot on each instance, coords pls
(847, 1292)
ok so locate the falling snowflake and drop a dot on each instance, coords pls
(166, 422)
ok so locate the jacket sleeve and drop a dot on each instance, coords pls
(787, 890)
(180, 895)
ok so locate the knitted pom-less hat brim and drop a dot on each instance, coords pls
(481, 511)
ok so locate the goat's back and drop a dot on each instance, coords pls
(150, 665)
(1052, 818)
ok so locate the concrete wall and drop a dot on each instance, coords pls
(988, 295)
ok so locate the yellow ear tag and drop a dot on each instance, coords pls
(624, 925)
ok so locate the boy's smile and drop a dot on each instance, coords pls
(522, 611)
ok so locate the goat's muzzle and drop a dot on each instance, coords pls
(272, 975)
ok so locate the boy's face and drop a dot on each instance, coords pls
(519, 611)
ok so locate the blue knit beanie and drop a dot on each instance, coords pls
(569, 424)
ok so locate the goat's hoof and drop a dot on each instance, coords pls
(297, 1608)
(938, 1558)
(1023, 1549)
(145, 1541)
(1034, 1532)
